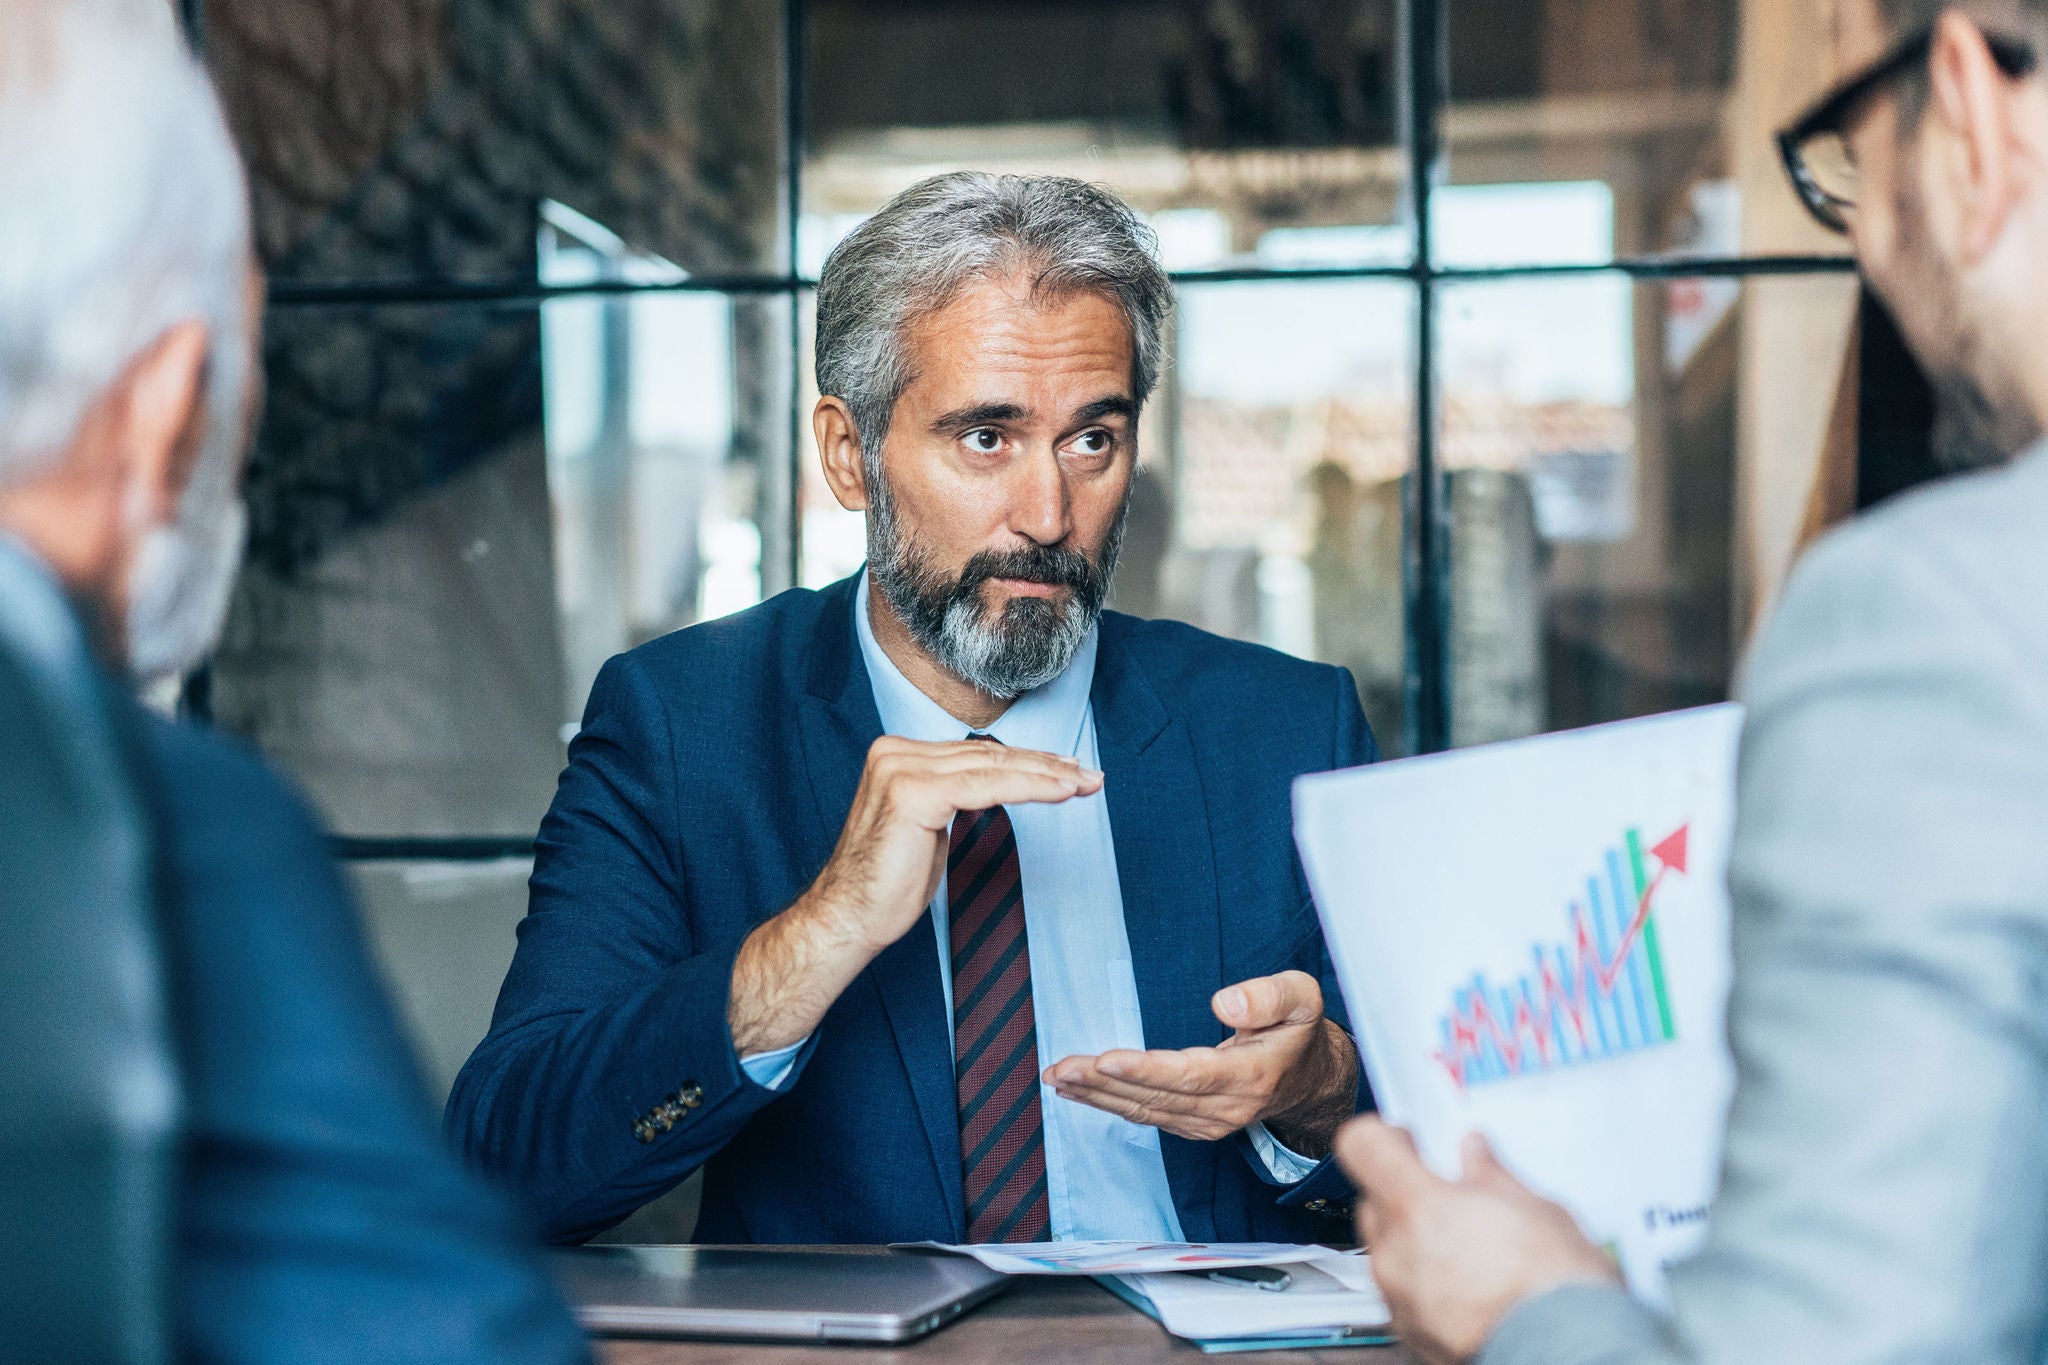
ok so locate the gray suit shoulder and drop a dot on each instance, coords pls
(1965, 559)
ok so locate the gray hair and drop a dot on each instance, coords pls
(122, 213)
(952, 230)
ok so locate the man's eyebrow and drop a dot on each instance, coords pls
(979, 414)
(1117, 405)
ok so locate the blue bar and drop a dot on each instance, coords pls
(1487, 1053)
(1556, 1016)
(1624, 1036)
(1592, 998)
(1627, 904)
(1534, 1058)
(1504, 1010)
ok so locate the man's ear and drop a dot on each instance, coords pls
(1975, 101)
(839, 452)
(154, 411)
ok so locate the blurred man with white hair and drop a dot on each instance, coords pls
(315, 1215)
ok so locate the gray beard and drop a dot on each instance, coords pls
(1973, 427)
(1031, 643)
(1970, 430)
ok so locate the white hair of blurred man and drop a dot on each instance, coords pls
(123, 213)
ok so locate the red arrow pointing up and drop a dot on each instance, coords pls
(1671, 852)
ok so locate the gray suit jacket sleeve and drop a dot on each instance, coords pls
(1884, 1190)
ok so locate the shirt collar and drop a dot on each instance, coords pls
(1049, 718)
(36, 615)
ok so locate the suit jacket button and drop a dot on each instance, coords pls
(643, 1130)
(1317, 1206)
(692, 1094)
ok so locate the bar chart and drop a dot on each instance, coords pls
(1599, 993)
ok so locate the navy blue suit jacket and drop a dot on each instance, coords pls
(320, 1217)
(709, 784)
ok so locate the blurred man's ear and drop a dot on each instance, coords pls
(155, 413)
(1978, 104)
(839, 453)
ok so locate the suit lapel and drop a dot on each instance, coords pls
(1166, 869)
(838, 722)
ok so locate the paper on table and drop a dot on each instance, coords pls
(1532, 939)
(1128, 1258)
(1331, 1294)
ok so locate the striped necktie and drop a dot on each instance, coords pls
(995, 1034)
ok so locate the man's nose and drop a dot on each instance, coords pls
(1040, 509)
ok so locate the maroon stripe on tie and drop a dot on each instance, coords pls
(995, 1034)
(982, 1004)
(971, 849)
(983, 914)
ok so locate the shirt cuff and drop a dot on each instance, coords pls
(1286, 1166)
(770, 1070)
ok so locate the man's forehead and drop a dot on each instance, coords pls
(996, 341)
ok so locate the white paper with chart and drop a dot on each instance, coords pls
(1532, 938)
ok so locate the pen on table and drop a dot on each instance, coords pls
(1252, 1276)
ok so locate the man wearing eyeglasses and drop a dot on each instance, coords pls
(1884, 1190)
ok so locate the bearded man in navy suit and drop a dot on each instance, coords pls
(940, 903)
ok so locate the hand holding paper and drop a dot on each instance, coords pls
(1286, 1065)
(1455, 1255)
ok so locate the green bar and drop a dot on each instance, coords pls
(1635, 862)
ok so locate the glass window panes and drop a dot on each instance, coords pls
(1590, 130)
(1248, 132)
(1625, 468)
(1269, 506)
(443, 932)
(459, 511)
(409, 140)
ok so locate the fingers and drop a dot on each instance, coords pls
(930, 783)
(1382, 1161)
(1206, 1120)
(1189, 1072)
(1183, 1092)
(1482, 1167)
(1288, 998)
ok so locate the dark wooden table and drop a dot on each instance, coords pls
(1056, 1320)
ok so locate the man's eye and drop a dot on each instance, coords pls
(984, 440)
(1093, 442)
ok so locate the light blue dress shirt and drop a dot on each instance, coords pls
(1104, 1175)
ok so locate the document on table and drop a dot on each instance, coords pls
(1331, 1301)
(1532, 938)
(1126, 1258)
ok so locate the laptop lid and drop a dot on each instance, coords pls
(680, 1291)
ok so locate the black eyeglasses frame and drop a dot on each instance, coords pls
(1838, 109)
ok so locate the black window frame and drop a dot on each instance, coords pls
(1424, 94)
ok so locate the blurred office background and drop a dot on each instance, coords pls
(1504, 366)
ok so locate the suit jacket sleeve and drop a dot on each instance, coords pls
(614, 1009)
(322, 1220)
(1883, 1193)
(89, 1100)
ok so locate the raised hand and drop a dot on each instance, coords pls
(881, 876)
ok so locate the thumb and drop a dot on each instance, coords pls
(1482, 1165)
(1269, 1001)
(1381, 1161)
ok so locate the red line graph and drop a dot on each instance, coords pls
(1476, 1021)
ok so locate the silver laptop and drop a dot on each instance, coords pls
(678, 1291)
